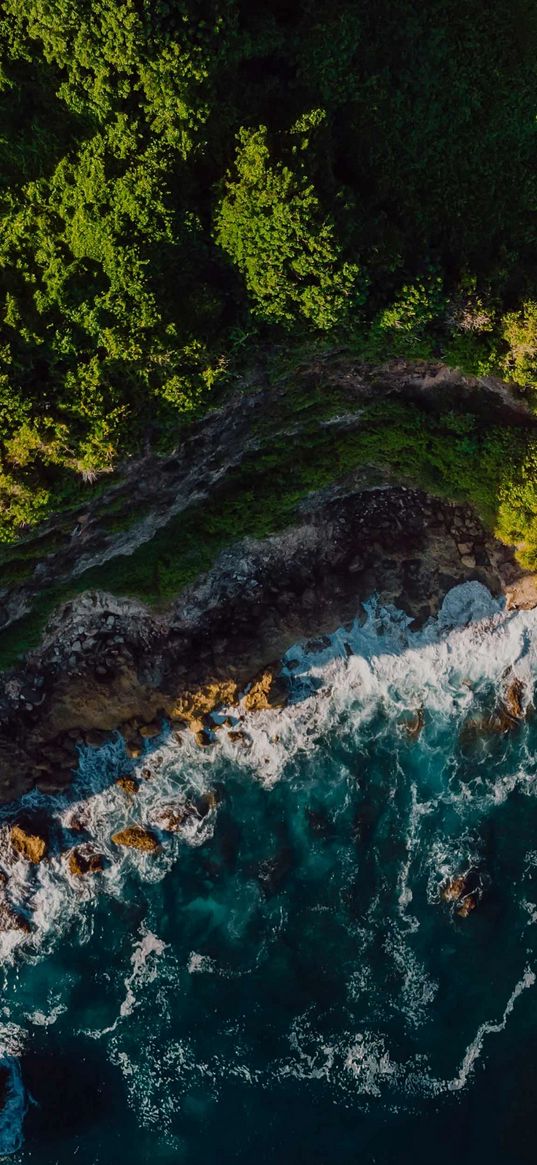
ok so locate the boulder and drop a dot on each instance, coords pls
(29, 845)
(133, 749)
(84, 861)
(136, 837)
(203, 738)
(468, 903)
(10, 919)
(463, 892)
(513, 699)
(266, 691)
(171, 818)
(453, 889)
(413, 723)
(148, 731)
(128, 784)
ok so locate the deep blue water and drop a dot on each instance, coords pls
(285, 984)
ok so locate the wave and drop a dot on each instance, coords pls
(357, 687)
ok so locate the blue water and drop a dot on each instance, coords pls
(283, 981)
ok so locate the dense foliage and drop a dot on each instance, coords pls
(183, 181)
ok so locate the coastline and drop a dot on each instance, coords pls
(108, 664)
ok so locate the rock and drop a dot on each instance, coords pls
(128, 784)
(11, 919)
(319, 822)
(521, 595)
(453, 889)
(29, 845)
(87, 861)
(469, 903)
(203, 738)
(463, 892)
(273, 872)
(148, 731)
(170, 818)
(205, 802)
(238, 736)
(194, 706)
(267, 691)
(136, 837)
(469, 561)
(513, 699)
(95, 738)
(133, 749)
(413, 723)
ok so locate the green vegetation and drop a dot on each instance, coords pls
(459, 456)
(184, 184)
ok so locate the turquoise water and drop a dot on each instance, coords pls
(283, 981)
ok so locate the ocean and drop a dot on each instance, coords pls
(333, 960)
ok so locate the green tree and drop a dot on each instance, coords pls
(272, 226)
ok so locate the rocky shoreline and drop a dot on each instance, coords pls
(108, 664)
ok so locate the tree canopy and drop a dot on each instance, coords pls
(182, 180)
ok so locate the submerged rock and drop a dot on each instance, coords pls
(509, 712)
(31, 846)
(468, 904)
(412, 723)
(85, 861)
(136, 837)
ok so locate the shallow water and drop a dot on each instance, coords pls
(283, 981)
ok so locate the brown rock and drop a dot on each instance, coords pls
(521, 595)
(513, 699)
(148, 731)
(194, 706)
(170, 818)
(128, 784)
(82, 862)
(469, 903)
(133, 749)
(11, 919)
(453, 889)
(136, 837)
(238, 736)
(267, 691)
(29, 845)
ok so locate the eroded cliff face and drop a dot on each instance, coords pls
(107, 663)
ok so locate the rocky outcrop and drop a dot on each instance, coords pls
(462, 892)
(266, 691)
(29, 845)
(81, 861)
(136, 837)
(108, 664)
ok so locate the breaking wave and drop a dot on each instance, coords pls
(307, 890)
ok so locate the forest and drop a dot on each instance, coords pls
(187, 184)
